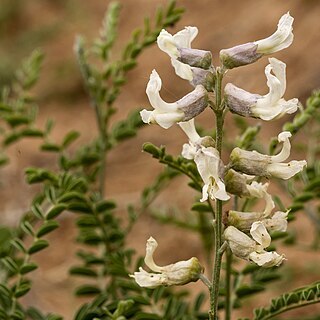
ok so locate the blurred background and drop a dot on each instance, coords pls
(52, 26)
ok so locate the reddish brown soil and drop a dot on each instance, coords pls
(221, 24)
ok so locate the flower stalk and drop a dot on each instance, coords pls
(214, 292)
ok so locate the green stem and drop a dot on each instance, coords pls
(288, 308)
(214, 292)
(228, 304)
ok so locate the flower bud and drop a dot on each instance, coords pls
(240, 55)
(240, 101)
(195, 57)
(202, 77)
(178, 273)
(242, 220)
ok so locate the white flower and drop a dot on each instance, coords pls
(178, 273)
(278, 221)
(272, 105)
(268, 107)
(208, 162)
(285, 170)
(244, 220)
(261, 257)
(170, 44)
(167, 114)
(279, 40)
(250, 52)
(255, 163)
(246, 248)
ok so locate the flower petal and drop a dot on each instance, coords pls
(184, 37)
(279, 40)
(148, 280)
(260, 234)
(167, 44)
(240, 244)
(286, 170)
(266, 259)
(150, 249)
(190, 130)
(183, 70)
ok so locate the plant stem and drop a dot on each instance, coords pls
(214, 292)
(228, 303)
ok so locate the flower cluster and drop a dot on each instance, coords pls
(246, 233)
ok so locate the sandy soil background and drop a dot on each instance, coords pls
(53, 26)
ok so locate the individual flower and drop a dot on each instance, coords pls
(167, 114)
(268, 107)
(207, 159)
(252, 249)
(250, 52)
(244, 220)
(179, 273)
(255, 163)
(189, 64)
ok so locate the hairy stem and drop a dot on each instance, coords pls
(214, 292)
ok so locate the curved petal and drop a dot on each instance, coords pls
(286, 170)
(150, 249)
(280, 39)
(266, 259)
(184, 37)
(153, 93)
(286, 147)
(190, 130)
(260, 234)
(183, 70)
(167, 44)
(279, 70)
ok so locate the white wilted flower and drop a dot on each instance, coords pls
(167, 114)
(268, 107)
(207, 159)
(250, 52)
(255, 163)
(179, 273)
(246, 248)
(189, 64)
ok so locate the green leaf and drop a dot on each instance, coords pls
(83, 271)
(10, 264)
(27, 228)
(87, 290)
(56, 210)
(28, 267)
(152, 149)
(38, 245)
(246, 290)
(47, 227)
(51, 147)
(18, 244)
(22, 290)
(201, 207)
(105, 205)
(69, 138)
